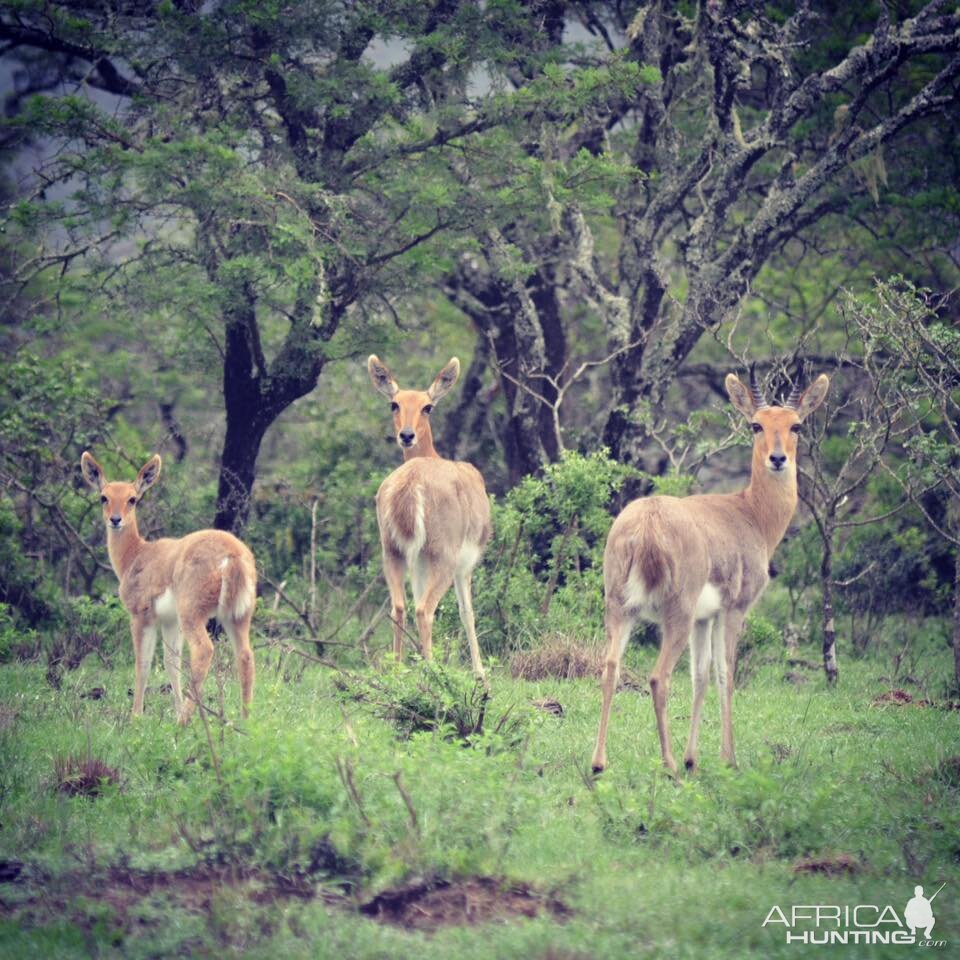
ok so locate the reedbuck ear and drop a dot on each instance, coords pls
(92, 471)
(445, 380)
(739, 395)
(381, 377)
(813, 396)
(148, 474)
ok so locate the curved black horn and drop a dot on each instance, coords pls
(755, 393)
(794, 398)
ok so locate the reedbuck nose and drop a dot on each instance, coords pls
(407, 436)
(115, 520)
(778, 460)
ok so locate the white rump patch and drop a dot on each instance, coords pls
(467, 557)
(708, 603)
(165, 606)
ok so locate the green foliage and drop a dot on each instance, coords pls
(316, 797)
(543, 571)
(431, 697)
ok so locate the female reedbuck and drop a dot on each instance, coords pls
(696, 565)
(178, 585)
(433, 514)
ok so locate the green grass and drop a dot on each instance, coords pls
(306, 793)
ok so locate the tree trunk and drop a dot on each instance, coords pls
(238, 461)
(956, 617)
(829, 627)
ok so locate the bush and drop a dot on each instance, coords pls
(430, 697)
(543, 572)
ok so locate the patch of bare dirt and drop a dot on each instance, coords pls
(841, 864)
(899, 698)
(431, 904)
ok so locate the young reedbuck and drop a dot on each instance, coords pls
(696, 564)
(177, 585)
(433, 514)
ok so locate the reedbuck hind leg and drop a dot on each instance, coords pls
(438, 583)
(700, 656)
(201, 653)
(676, 630)
(394, 570)
(618, 626)
(239, 633)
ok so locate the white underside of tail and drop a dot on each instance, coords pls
(410, 547)
(243, 601)
(647, 603)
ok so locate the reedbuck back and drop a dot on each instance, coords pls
(176, 585)
(696, 565)
(433, 514)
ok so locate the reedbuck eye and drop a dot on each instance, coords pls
(756, 428)
(132, 501)
(796, 428)
(103, 499)
(395, 407)
(428, 408)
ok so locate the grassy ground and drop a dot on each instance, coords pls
(266, 838)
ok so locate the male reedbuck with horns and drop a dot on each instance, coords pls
(433, 514)
(696, 565)
(177, 585)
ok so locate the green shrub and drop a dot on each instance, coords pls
(543, 572)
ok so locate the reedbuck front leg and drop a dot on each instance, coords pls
(201, 653)
(726, 635)
(173, 662)
(700, 657)
(461, 583)
(144, 644)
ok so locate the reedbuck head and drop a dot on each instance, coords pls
(411, 408)
(118, 499)
(776, 429)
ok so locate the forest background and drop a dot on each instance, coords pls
(212, 214)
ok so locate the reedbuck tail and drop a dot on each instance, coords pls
(641, 566)
(238, 588)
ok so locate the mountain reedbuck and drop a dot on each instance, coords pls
(433, 514)
(178, 585)
(696, 564)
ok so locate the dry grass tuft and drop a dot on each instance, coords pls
(558, 657)
(83, 776)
